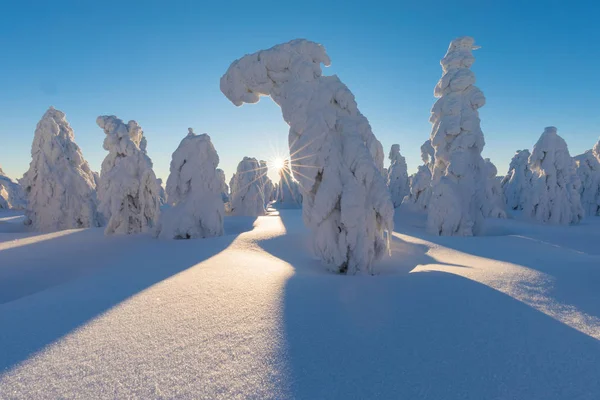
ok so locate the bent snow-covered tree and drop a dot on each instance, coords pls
(59, 184)
(288, 190)
(336, 158)
(494, 205)
(247, 191)
(588, 170)
(420, 183)
(397, 178)
(517, 182)
(194, 192)
(11, 193)
(459, 176)
(554, 196)
(128, 192)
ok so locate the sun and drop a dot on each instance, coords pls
(277, 163)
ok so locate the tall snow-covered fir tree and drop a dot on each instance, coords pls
(397, 179)
(11, 193)
(336, 158)
(517, 182)
(554, 197)
(420, 183)
(494, 205)
(247, 192)
(288, 190)
(59, 184)
(459, 174)
(588, 170)
(194, 191)
(128, 192)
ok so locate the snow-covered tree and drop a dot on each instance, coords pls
(162, 194)
(128, 192)
(428, 154)
(420, 183)
(459, 176)
(397, 178)
(554, 196)
(247, 194)
(11, 193)
(224, 186)
(494, 205)
(288, 190)
(267, 184)
(517, 182)
(194, 190)
(588, 170)
(59, 184)
(336, 158)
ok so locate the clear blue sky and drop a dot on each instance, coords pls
(160, 64)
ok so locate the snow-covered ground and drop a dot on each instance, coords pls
(511, 315)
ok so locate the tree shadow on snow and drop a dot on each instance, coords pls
(421, 335)
(84, 274)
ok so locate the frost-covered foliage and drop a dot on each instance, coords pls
(517, 182)
(194, 192)
(288, 190)
(494, 205)
(128, 192)
(459, 176)
(554, 196)
(588, 170)
(59, 185)
(337, 159)
(224, 186)
(247, 192)
(397, 178)
(11, 193)
(267, 183)
(162, 194)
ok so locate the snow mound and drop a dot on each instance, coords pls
(59, 185)
(128, 192)
(246, 189)
(459, 181)
(337, 160)
(397, 178)
(554, 197)
(494, 205)
(588, 170)
(194, 192)
(517, 182)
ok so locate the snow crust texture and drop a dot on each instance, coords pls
(194, 191)
(397, 178)
(517, 182)
(59, 185)
(336, 159)
(247, 196)
(128, 192)
(588, 171)
(554, 197)
(459, 174)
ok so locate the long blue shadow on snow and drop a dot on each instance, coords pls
(423, 335)
(54, 287)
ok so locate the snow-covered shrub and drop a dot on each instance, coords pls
(588, 170)
(397, 178)
(194, 192)
(11, 193)
(59, 185)
(517, 182)
(224, 186)
(128, 192)
(247, 192)
(494, 205)
(458, 181)
(336, 158)
(288, 193)
(554, 196)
